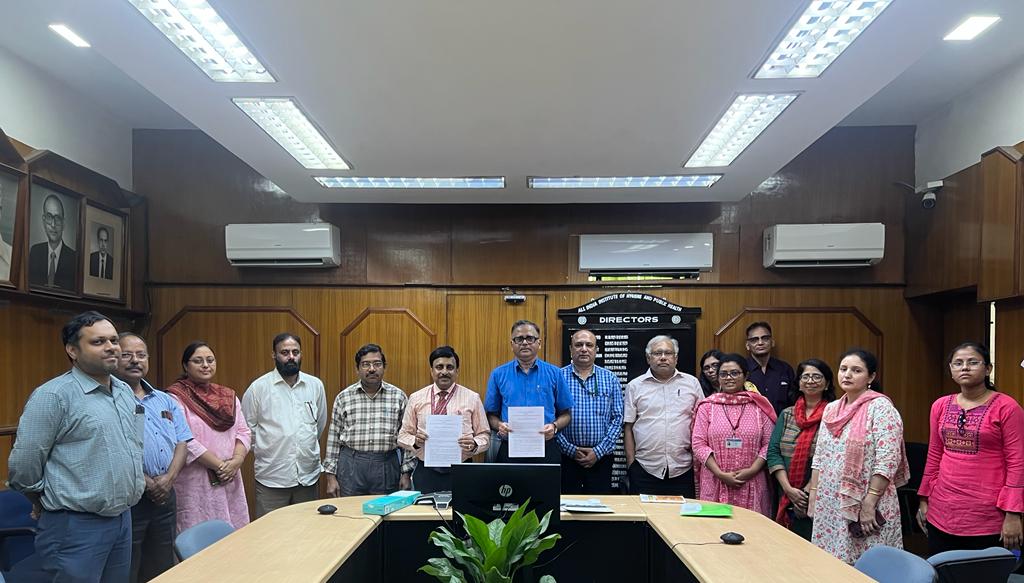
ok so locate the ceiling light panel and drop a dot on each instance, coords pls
(673, 181)
(971, 27)
(282, 119)
(740, 125)
(819, 36)
(199, 32)
(70, 35)
(410, 182)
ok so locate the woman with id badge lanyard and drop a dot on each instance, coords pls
(731, 431)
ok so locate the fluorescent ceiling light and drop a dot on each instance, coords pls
(819, 36)
(972, 27)
(740, 125)
(69, 35)
(410, 182)
(199, 32)
(674, 181)
(282, 119)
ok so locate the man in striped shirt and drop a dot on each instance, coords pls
(362, 443)
(588, 441)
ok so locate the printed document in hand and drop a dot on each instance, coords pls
(526, 439)
(441, 450)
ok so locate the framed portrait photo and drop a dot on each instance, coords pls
(10, 237)
(104, 262)
(54, 232)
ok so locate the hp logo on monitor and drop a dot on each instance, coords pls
(505, 490)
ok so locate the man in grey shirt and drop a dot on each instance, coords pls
(78, 458)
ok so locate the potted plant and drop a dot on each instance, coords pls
(494, 552)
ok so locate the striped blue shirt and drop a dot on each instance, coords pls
(165, 429)
(597, 414)
(80, 444)
(543, 386)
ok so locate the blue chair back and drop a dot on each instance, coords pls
(891, 565)
(991, 564)
(17, 528)
(194, 539)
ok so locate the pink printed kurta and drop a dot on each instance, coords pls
(197, 500)
(712, 426)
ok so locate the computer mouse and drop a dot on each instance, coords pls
(331, 509)
(732, 538)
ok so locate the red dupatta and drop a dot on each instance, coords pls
(213, 403)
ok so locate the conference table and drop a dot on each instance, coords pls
(639, 542)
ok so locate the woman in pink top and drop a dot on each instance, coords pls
(210, 484)
(731, 430)
(972, 491)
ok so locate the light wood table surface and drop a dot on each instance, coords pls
(297, 544)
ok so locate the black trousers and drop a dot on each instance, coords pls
(428, 480)
(552, 455)
(153, 532)
(939, 541)
(641, 482)
(596, 479)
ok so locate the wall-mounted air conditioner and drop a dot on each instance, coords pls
(670, 253)
(819, 245)
(283, 245)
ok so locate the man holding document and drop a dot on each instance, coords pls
(444, 424)
(528, 401)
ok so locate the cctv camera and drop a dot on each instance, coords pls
(928, 200)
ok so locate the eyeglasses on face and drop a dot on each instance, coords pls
(53, 219)
(369, 364)
(524, 339)
(127, 356)
(812, 377)
(756, 339)
(198, 361)
(663, 353)
(710, 367)
(973, 363)
(730, 374)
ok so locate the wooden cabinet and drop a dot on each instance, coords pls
(1002, 248)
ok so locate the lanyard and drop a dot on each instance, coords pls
(441, 406)
(735, 426)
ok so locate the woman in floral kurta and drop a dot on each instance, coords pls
(731, 430)
(859, 461)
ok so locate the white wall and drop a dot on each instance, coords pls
(44, 113)
(987, 116)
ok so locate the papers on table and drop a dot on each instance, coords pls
(661, 499)
(710, 509)
(526, 439)
(441, 449)
(593, 505)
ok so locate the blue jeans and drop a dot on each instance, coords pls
(77, 547)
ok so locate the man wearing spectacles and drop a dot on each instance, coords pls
(286, 410)
(165, 448)
(658, 414)
(772, 377)
(362, 443)
(53, 263)
(101, 263)
(527, 381)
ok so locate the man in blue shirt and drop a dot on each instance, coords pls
(78, 458)
(773, 378)
(163, 455)
(589, 440)
(528, 381)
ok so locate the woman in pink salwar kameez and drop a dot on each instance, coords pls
(210, 485)
(731, 431)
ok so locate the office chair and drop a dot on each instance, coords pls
(17, 529)
(991, 564)
(891, 565)
(917, 455)
(196, 538)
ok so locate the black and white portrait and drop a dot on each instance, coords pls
(53, 239)
(8, 215)
(104, 258)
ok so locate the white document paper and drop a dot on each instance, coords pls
(442, 445)
(526, 439)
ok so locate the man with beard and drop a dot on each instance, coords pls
(445, 396)
(286, 410)
(78, 459)
(165, 447)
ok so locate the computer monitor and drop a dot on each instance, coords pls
(489, 491)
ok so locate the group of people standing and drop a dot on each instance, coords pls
(126, 465)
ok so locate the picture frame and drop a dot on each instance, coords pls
(105, 253)
(54, 238)
(11, 201)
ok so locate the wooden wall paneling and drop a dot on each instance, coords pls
(398, 331)
(962, 320)
(478, 329)
(1000, 224)
(1009, 351)
(501, 245)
